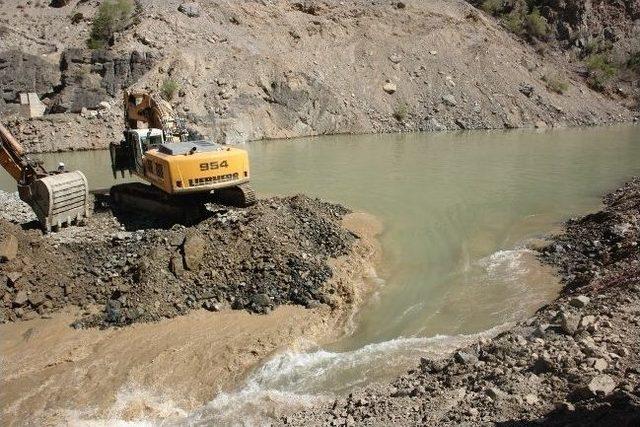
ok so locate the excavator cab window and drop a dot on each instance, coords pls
(149, 141)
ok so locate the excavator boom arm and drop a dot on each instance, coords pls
(144, 110)
(11, 154)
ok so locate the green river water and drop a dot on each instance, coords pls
(458, 210)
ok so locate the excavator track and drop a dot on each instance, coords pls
(189, 209)
(240, 196)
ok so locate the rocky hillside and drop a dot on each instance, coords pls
(599, 39)
(283, 68)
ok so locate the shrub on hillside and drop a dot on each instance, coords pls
(493, 7)
(112, 16)
(400, 112)
(513, 22)
(555, 83)
(634, 62)
(536, 25)
(600, 71)
(168, 89)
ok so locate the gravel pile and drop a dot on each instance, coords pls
(575, 362)
(272, 253)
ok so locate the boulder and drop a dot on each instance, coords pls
(193, 250)
(176, 265)
(261, 300)
(526, 89)
(113, 311)
(59, 3)
(542, 365)
(36, 299)
(13, 277)
(449, 100)
(579, 301)
(600, 365)
(389, 87)
(8, 248)
(465, 358)
(601, 385)
(20, 299)
(569, 323)
(587, 321)
(191, 9)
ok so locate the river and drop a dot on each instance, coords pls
(458, 211)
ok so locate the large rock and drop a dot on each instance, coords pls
(23, 73)
(601, 385)
(8, 248)
(579, 301)
(449, 100)
(190, 9)
(465, 358)
(13, 277)
(20, 299)
(90, 77)
(569, 323)
(194, 247)
(176, 265)
(59, 3)
(389, 87)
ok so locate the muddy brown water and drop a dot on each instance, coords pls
(459, 210)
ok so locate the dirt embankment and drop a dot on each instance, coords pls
(303, 264)
(275, 252)
(253, 70)
(575, 362)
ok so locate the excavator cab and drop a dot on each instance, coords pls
(127, 155)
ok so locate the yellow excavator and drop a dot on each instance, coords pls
(182, 174)
(57, 197)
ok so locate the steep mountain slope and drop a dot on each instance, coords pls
(274, 69)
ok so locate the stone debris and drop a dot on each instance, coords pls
(275, 252)
(602, 384)
(8, 248)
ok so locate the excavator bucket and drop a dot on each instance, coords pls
(58, 199)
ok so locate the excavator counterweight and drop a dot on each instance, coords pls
(57, 197)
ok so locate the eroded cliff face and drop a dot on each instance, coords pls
(253, 70)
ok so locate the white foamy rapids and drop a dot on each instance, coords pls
(296, 380)
(523, 283)
(507, 265)
(290, 381)
(134, 406)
